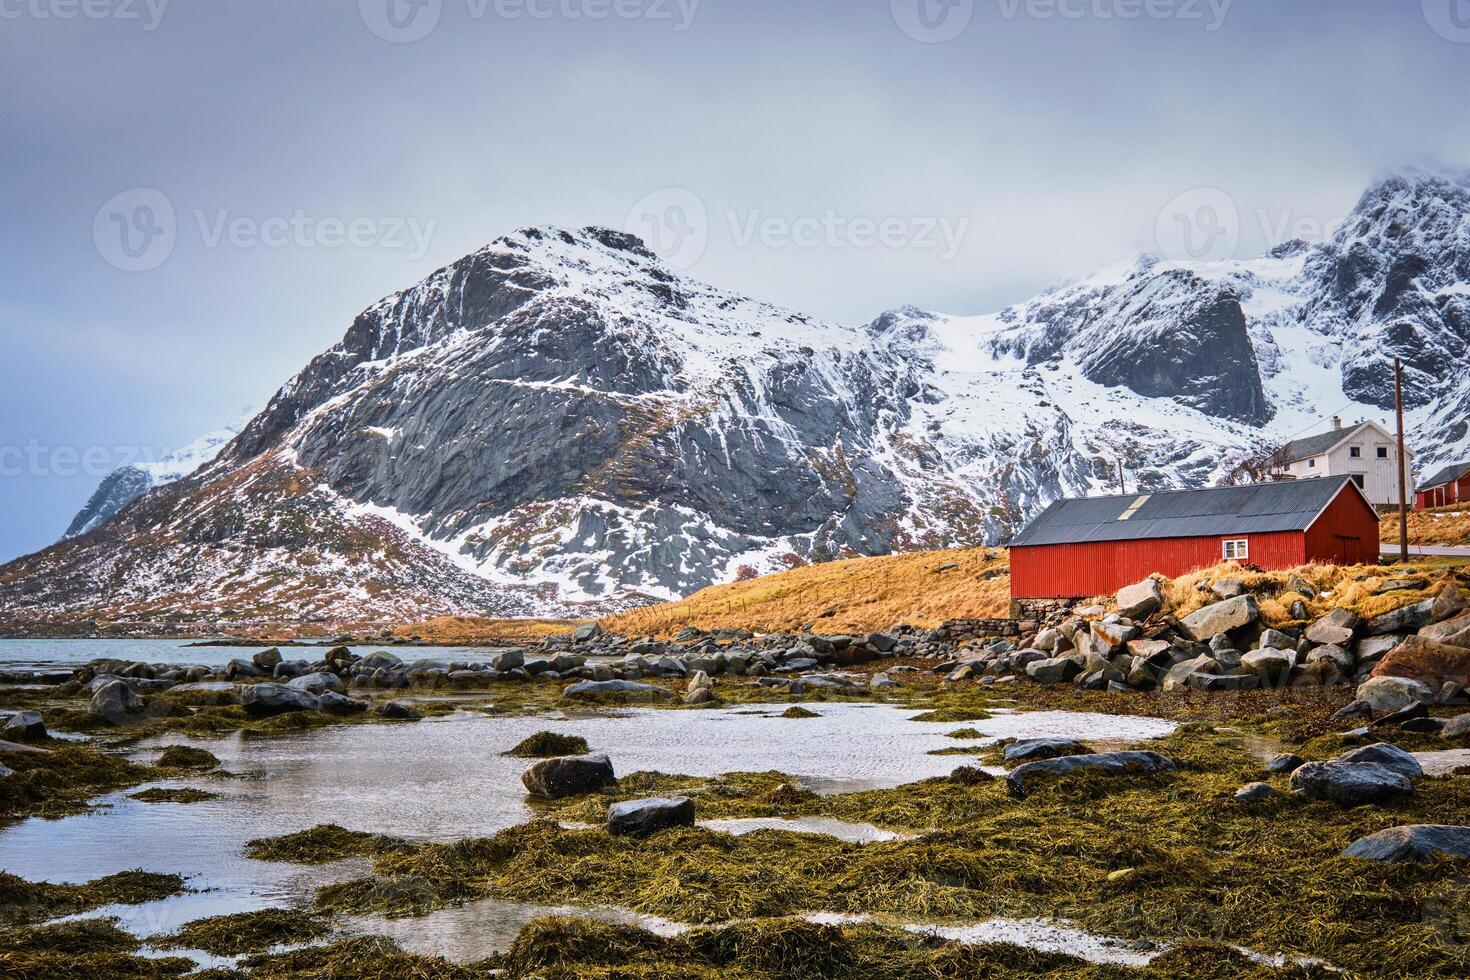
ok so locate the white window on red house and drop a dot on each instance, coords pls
(1235, 549)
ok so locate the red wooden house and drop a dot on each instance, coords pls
(1096, 545)
(1450, 485)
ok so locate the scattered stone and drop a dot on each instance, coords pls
(400, 711)
(1454, 632)
(1338, 627)
(317, 683)
(1410, 711)
(1412, 842)
(1027, 749)
(117, 704)
(1386, 755)
(1139, 601)
(1350, 783)
(1269, 663)
(641, 817)
(266, 700)
(1220, 617)
(619, 690)
(1228, 588)
(1353, 711)
(1053, 670)
(1392, 693)
(27, 726)
(1457, 727)
(267, 659)
(1284, 763)
(569, 776)
(1255, 793)
(1019, 781)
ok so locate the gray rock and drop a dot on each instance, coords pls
(1354, 711)
(1405, 619)
(117, 704)
(1220, 617)
(26, 726)
(267, 700)
(400, 711)
(1350, 783)
(1269, 663)
(587, 633)
(1284, 763)
(618, 690)
(317, 683)
(1020, 781)
(641, 817)
(341, 705)
(1412, 842)
(1053, 670)
(1386, 755)
(1457, 727)
(1338, 627)
(1027, 749)
(1255, 793)
(1301, 587)
(569, 776)
(1276, 640)
(882, 681)
(267, 659)
(1227, 588)
(1177, 676)
(244, 668)
(1453, 632)
(508, 660)
(380, 660)
(1385, 694)
(1141, 600)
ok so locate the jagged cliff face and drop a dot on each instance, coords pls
(558, 419)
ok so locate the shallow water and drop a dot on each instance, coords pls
(855, 833)
(1039, 934)
(445, 779)
(29, 654)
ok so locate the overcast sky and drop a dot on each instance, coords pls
(200, 194)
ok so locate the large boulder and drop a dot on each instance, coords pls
(1404, 619)
(1022, 780)
(117, 704)
(640, 817)
(1412, 842)
(1053, 670)
(1386, 755)
(1427, 661)
(1269, 663)
(1350, 783)
(617, 690)
(1337, 627)
(1384, 694)
(1027, 749)
(268, 700)
(318, 683)
(26, 726)
(1177, 677)
(569, 776)
(1455, 632)
(1140, 601)
(1204, 624)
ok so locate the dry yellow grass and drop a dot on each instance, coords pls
(460, 630)
(1443, 525)
(1352, 586)
(861, 594)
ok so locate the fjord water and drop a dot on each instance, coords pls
(446, 779)
(27, 654)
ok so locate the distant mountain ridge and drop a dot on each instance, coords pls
(557, 423)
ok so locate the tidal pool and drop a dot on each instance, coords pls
(445, 779)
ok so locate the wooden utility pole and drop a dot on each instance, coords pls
(1398, 407)
(1122, 487)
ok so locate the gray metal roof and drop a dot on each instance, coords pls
(1449, 474)
(1290, 505)
(1318, 444)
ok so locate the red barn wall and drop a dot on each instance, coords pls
(1346, 533)
(1091, 568)
(1444, 494)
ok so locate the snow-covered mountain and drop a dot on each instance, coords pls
(557, 419)
(127, 483)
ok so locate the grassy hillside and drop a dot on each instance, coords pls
(859, 594)
(1442, 525)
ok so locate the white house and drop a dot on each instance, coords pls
(1365, 451)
